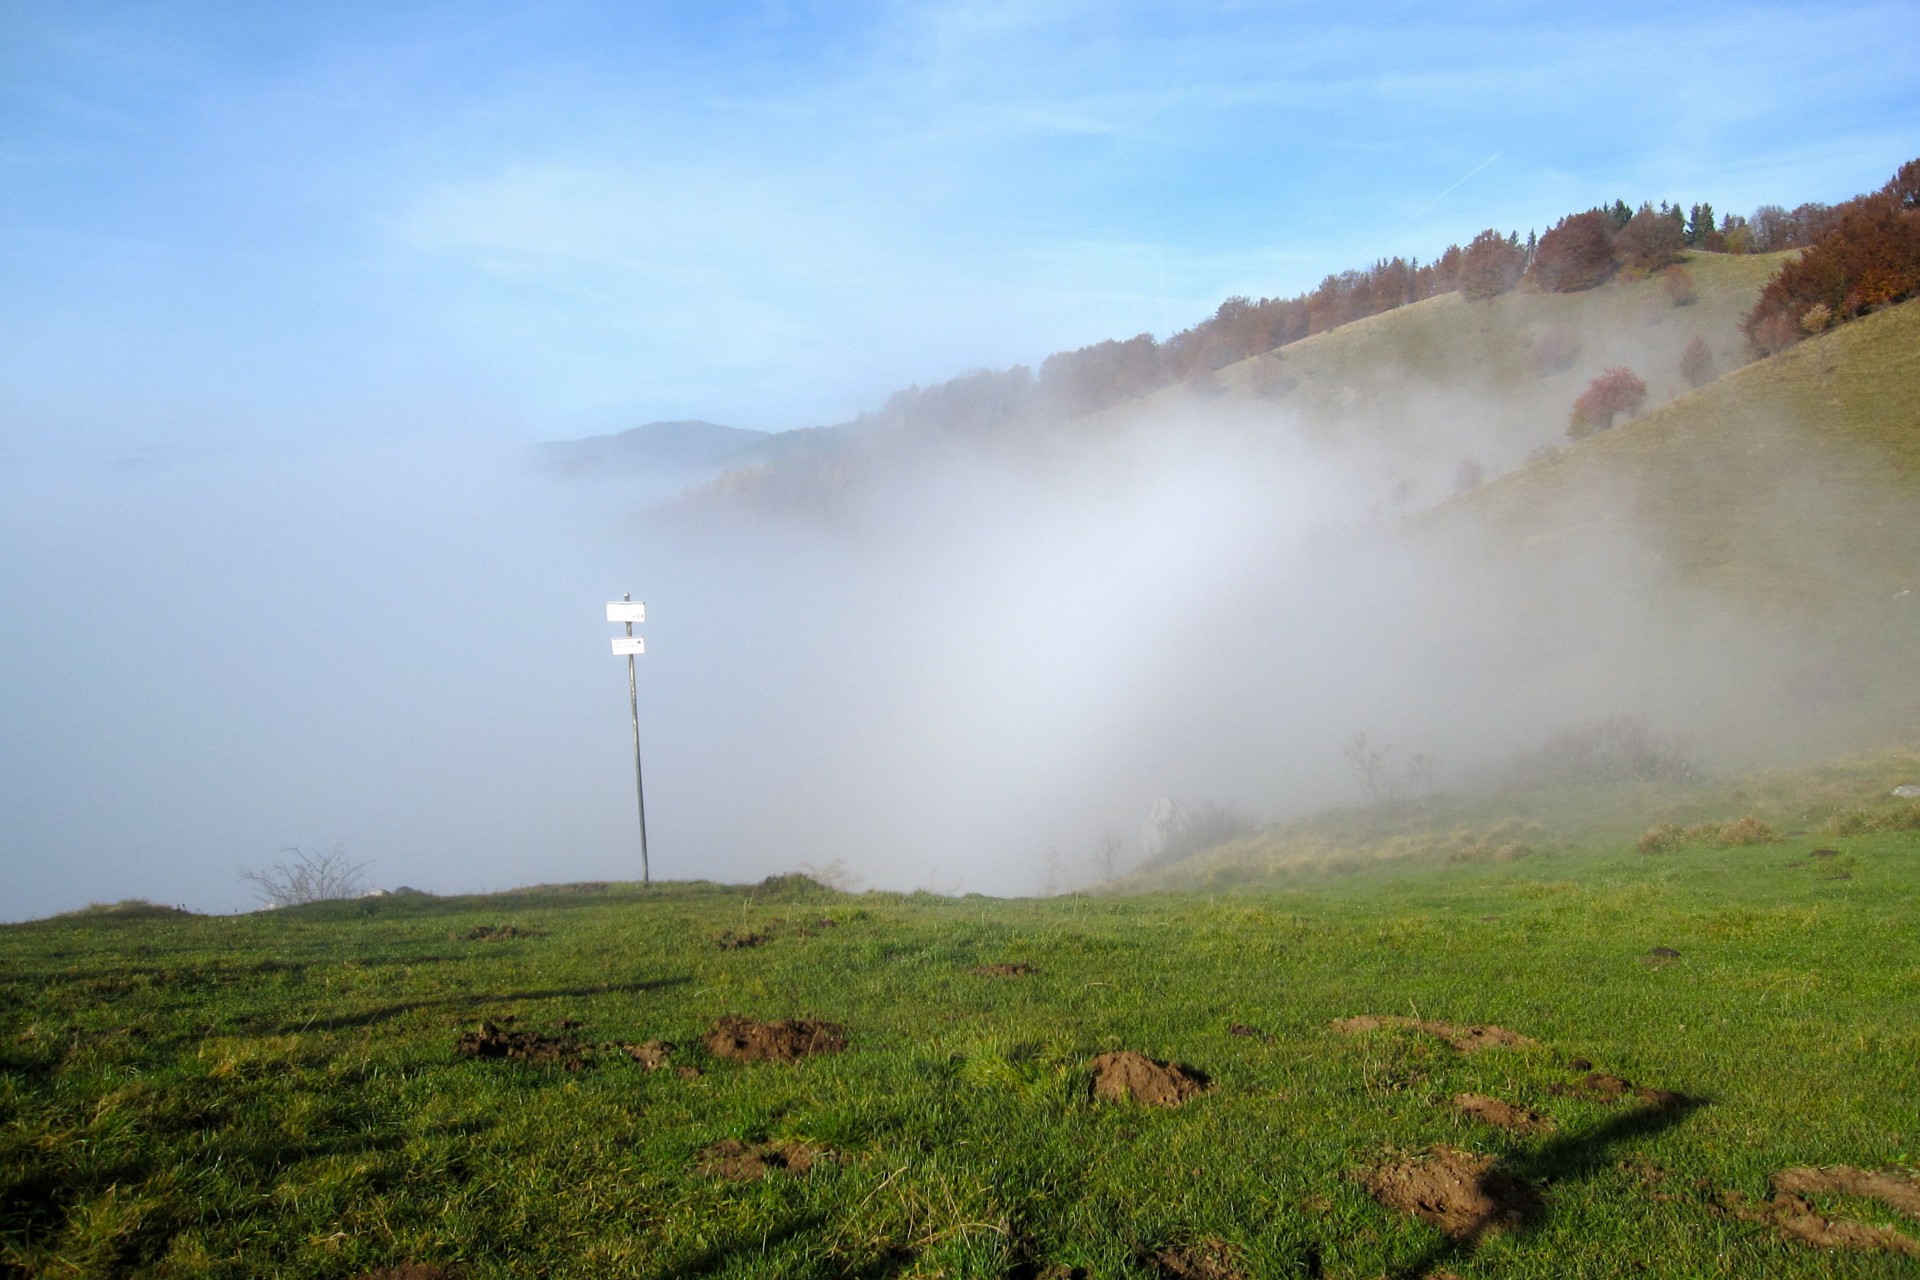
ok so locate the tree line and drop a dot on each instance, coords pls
(1861, 254)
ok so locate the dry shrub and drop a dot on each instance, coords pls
(1623, 749)
(1859, 822)
(1663, 837)
(1666, 836)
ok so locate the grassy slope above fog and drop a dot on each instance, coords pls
(279, 1094)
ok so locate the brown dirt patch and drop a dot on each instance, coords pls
(1824, 853)
(738, 1161)
(1018, 969)
(652, 1055)
(731, 941)
(1127, 1076)
(413, 1271)
(1465, 1039)
(1791, 1213)
(1597, 1086)
(1501, 1115)
(1246, 1032)
(1464, 1194)
(749, 1040)
(491, 1041)
(1202, 1260)
(1663, 953)
(496, 933)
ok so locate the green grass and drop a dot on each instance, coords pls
(277, 1094)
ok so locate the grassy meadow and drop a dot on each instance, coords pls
(279, 1094)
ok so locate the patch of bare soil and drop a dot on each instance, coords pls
(1464, 1194)
(1203, 1260)
(1127, 1076)
(1246, 1032)
(413, 1271)
(731, 941)
(491, 1041)
(1501, 1115)
(653, 1055)
(496, 933)
(1791, 1213)
(738, 1161)
(1465, 1039)
(1824, 853)
(1018, 969)
(1597, 1086)
(750, 1040)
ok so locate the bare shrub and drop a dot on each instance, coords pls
(304, 876)
(1663, 837)
(1855, 822)
(1604, 753)
(1696, 363)
(1185, 830)
(1747, 830)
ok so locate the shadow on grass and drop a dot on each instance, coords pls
(387, 1012)
(1570, 1158)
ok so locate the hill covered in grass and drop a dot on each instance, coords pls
(1537, 1069)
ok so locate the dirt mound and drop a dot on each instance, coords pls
(1791, 1213)
(652, 1055)
(738, 1161)
(491, 1041)
(1501, 1115)
(1599, 1087)
(1465, 1039)
(731, 941)
(1246, 1032)
(749, 1040)
(1203, 1260)
(1463, 1194)
(413, 1271)
(496, 933)
(1127, 1076)
(1019, 969)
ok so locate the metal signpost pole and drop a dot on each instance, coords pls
(628, 612)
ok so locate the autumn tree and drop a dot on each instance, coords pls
(1868, 258)
(1680, 288)
(1617, 391)
(1696, 363)
(1904, 189)
(1576, 254)
(1649, 242)
(1491, 265)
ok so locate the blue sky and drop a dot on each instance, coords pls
(228, 226)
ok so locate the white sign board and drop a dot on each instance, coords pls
(629, 645)
(626, 611)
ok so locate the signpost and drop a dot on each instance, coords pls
(628, 610)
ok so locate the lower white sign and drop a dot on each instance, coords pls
(629, 645)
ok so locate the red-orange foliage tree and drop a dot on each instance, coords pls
(1868, 258)
(1617, 391)
(1576, 254)
(1491, 265)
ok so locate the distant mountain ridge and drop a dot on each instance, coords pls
(685, 446)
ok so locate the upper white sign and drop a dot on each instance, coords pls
(629, 645)
(626, 611)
